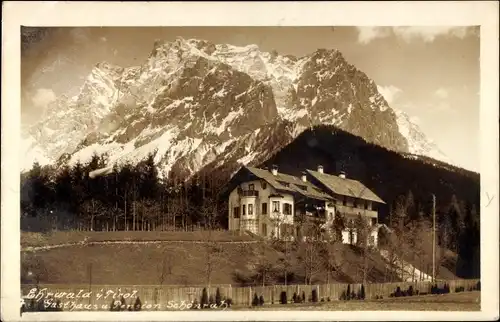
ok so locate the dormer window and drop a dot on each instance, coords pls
(283, 183)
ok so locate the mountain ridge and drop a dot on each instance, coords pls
(195, 103)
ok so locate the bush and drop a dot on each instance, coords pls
(195, 304)
(343, 296)
(283, 298)
(261, 300)
(398, 292)
(348, 293)
(137, 304)
(328, 299)
(362, 292)
(410, 290)
(446, 288)
(255, 300)
(204, 298)
(229, 302)
(459, 289)
(295, 298)
(303, 297)
(218, 298)
(314, 295)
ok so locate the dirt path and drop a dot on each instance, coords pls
(131, 242)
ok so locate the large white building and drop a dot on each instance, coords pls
(273, 204)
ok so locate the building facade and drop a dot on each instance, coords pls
(276, 205)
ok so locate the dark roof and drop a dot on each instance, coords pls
(292, 184)
(345, 187)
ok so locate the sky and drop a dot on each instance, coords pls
(431, 73)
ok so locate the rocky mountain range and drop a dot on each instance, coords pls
(195, 103)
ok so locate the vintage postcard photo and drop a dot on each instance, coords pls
(212, 169)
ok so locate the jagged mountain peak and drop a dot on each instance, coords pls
(197, 103)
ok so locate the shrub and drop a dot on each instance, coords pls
(314, 295)
(229, 302)
(410, 290)
(303, 297)
(446, 288)
(283, 298)
(255, 300)
(112, 306)
(295, 298)
(137, 304)
(204, 298)
(328, 299)
(343, 296)
(218, 298)
(398, 292)
(195, 304)
(459, 289)
(362, 292)
(348, 293)
(261, 300)
(123, 304)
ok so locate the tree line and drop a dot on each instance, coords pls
(131, 198)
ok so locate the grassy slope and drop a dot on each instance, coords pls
(129, 264)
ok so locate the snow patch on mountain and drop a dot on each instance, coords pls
(418, 143)
(193, 103)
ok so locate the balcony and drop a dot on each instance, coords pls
(352, 211)
(249, 193)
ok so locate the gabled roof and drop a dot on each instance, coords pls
(288, 183)
(345, 187)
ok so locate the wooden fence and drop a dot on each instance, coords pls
(157, 297)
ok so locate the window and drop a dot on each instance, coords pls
(287, 209)
(283, 183)
(251, 187)
(250, 209)
(243, 210)
(264, 208)
(276, 206)
(263, 184)
(236, 212)
(365, 204)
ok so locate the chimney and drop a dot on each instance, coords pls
(304, 177)
(274, 170)
(320, 168)
(342, 174)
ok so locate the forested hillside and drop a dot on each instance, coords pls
(134, 197)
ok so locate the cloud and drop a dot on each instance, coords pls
(390, 93)
(43, 97)
(441, 93)
(367, 34)
(408, 34)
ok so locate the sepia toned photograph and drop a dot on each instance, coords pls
(250, 169)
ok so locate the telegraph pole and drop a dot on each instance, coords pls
(433, 238)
